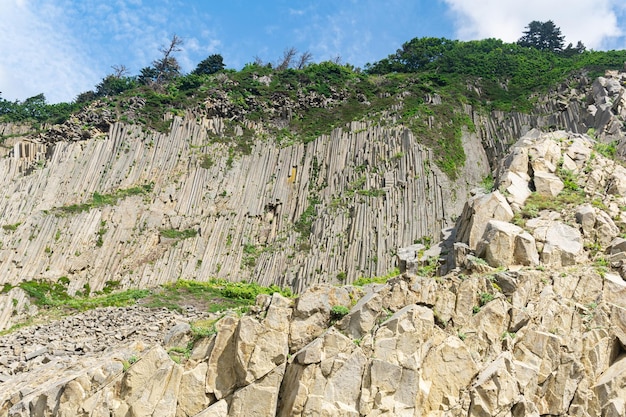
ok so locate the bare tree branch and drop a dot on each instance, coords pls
(287, 58)
(304, 59)
(119, 71)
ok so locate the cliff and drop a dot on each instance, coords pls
(104, 202)
(530, 321)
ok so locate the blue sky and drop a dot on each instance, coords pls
(64, 47)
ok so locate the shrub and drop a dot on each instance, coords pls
(338, 312)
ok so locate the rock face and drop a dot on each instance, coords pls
(290, 216)
(531, 319)
(553, 345)
(531, 322)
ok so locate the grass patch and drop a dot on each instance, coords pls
(178, 234)
(11, 227)
(338, 312)
(214, 295)
(535, 203)
(101, 200)
(377, 280)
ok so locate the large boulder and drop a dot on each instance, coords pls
(478, 211)
(547, 184)
(505, 244)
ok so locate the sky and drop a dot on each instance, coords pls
(65, 47)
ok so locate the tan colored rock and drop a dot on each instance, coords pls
(222, 378)
(151, 386)
(563, 245)
(260, 398)
(312, 313)
(219, 409)
(547, 184)
(363, 316)
(611, 389)
(259, 349)
(616, 182)
(504, 244)
(586, 217)
(495, 390)
(516, 185)
(192, 398)
(477, 213)
(614, 290)
(391, 382)
(439, 392)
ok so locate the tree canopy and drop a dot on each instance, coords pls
(214, 63)
(545, 36)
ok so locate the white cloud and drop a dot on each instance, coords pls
(594, 22)
(38, 53)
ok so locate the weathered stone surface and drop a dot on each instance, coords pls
(611, 389)
(495, 390)
(218, 409)
(258, 399)
(563, 245)
(439, 392)
(363, 316)
(477, 213)
(312, 313)
(547, 184)
(504, 244)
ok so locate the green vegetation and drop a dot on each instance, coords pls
(484, 298)
(54, 294)
(377, 280)
(423, 86)
(568, 198)
(338, 312)
(36, 110)
(101, 200)
(178, 234)
(216, 294)
(11, 227)
(608, 150)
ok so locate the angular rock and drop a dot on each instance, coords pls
(450, 357)
(563, 245)
(477, 213)
(495, 390)
(547, 184)
(504, 244)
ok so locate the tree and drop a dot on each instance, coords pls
(115, 83)
(165, 68)
(285, 62)
(574, 50)
(304, 60)
(545, 36)
(214, 63)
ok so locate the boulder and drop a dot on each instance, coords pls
(516, 186)
(495, 389)
(408, 258)
(477, 212)
(586, 217)
(505, 244)
(450, 357)
(616, 182)
(611, 389)
(547, 184)
(563, 245)
(311, 313)
(363, 316)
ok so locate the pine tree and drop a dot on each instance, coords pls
(545, 36)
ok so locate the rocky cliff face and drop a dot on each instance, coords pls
(101, 201)
(530, 321)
